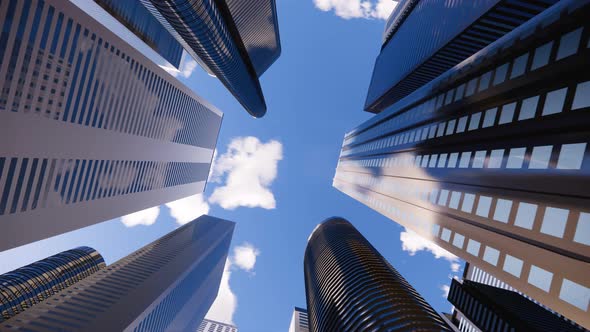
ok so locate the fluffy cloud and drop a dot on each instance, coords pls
(248, 167)
(187, 66)
(412, 243)
(145, 217)
(226, 303)
(187, 209)
(224, 307)
(245, 256)
(445, 289)
(367, 9)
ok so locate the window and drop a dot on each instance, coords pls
(583, 229)
(489, 118)
(571, 156)
(435, 229)
(496, 157)
(568, 44)
(554, 221)
(453, 160)
(540, 157)
(450, 127)
(542, 54)
(446, 234)
(468, 200)
(513, 265)
(582, 97)
(458, 240)
(474, 122)
(442, 160)
(540, 278)
(460, 91)
(484, 83)
(455, 197)
(491, 255)
(525, 216)
(473, 247)
(465, 158)
(507, 113)
(575, 294)
(479, 159)
(503, 207)
(554, 101)
(471, 87)
(444, 195)
(516, 158)
(463, 120)
(528, 108)
(500, 75)
(483, 206)
(519, 66)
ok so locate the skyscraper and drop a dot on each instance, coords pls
(24, 287)
(350, 287)
(487, 160)
(168, 285)
(235, 40)
(208, 325)
(299, 321)
(91, 129)
(458, 29)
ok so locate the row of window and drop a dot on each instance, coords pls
(104, 87)
(564, 157)
(569, 291)
(520, 214)
(31, 183)
(568, 45)
(515, 111)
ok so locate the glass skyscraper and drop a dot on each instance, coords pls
(208, 325)
(25, 287)
(168, 285)
(350, 287)
(487, 160)
(95, 130)
(235, 40)
(457, 30)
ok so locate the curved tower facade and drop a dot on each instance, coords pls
(24, 287)
(351, 287)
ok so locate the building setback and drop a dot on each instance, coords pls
(349, 286)
(299, 321)
(487, 160)
(95, 129)
(168, 285)
(208, 325)
(399, 70)
(234, 40)
(24, 287)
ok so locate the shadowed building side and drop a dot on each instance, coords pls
(350, 287)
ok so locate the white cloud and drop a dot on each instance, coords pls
(445, 289)
(187, 67)
(412, 243)
(245, 256)
(367, 9)
(248, 167)
(187, 209)
(224, 306)
(145, 217)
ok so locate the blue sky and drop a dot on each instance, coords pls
(275, 181)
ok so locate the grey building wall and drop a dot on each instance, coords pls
(91, 129)
(208, 325)
(168, 285)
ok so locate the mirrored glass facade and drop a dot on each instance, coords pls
(235, 40)
(435, 48)
(98, 131)
(487, 160)
(29, 285)
(168, 285)
(350, 287)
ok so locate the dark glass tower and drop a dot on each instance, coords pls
(168, 285)
(351, 287)
(24, 287)
(235, 40)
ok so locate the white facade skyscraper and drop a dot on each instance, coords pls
(299, 321)
(91, 129)
(208, 325)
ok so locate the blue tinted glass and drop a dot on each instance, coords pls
(48, 20)
(7, 186)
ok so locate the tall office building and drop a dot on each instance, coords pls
(235, 40)
(487, 160)
(168, 285)
(458, 29)
(90, 128)
(138, 19)
(299, 321)
(351, 287)
(24, 287)
(208, 325)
